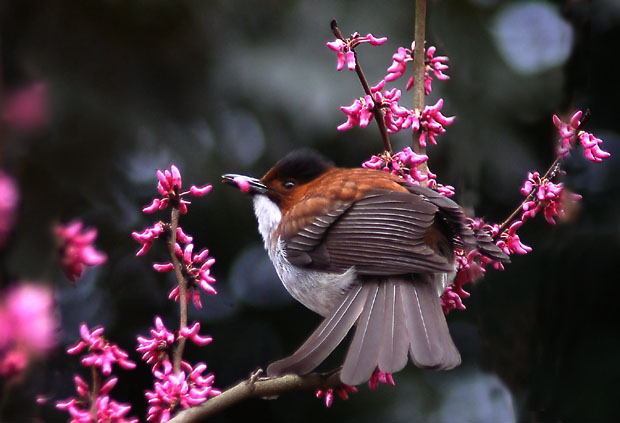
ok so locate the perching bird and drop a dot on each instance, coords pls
(362, 248)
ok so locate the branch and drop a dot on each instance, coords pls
(178, 351)
(377, 108)
(419, 68)
(255, 387)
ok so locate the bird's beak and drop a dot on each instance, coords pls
(246, 184)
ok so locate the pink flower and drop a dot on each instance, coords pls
(570, 133)
(147, 237)
(26, 109)
(328, 394)
(431, 123)
(169, 186)
(380, 377)
(544, 195)
(9, 197)
(158, 348)
(76, 248)
(510, 242)
(434, 65)
(188, 388)
(344, 48)
(197, 268)
(28, 326)
(591, 148)
(105, 409)
(99, 351)
(359, 113)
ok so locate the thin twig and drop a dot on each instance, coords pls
(418, 74)
(379, 117)
(258, 388)
(178, 272)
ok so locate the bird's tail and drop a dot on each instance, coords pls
(395, 317)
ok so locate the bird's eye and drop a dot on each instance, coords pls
(288, 184)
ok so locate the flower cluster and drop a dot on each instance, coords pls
(187, 388)
(405, 164)
(93, 404)
(28, 326)
(433, 64)
(9, 197)
(105, 409)
(75, 245)
(169, 186)
(542, 194)
(196, 268)
(429, 122)
(328, 394)
(545, 195)
(570, 133)
(344, 48)
(99, 351)
(156, 351)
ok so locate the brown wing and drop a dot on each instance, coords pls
(382, 233)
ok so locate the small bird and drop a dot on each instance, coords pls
(362, 248)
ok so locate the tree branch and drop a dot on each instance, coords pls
(255, 387)
(419, 68)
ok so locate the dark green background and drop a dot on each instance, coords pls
(231, 86)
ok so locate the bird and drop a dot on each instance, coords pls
(365, 249)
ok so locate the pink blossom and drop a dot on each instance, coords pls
(543, 195)
(380, 377)
(28, 326)
(359, 113)
(147, 237)
(344, 48)
(432, 123)
(105, 409)
(569, 134)
(191, 333)
(328, 394)
(169, 186)
(9, 198)
(99, 351)
(27, 108)
(76, 248)
(186, 389)
(158, 348)
(434, 65)
(591, 148)
(510, 242)
(197, 269)
(243, 183)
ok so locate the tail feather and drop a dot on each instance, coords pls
(395, 317)
(325, 338)
(395, 343)
(363, 354)
(430, 343)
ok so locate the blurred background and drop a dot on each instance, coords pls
(112, 90)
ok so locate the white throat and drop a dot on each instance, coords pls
(268, 215)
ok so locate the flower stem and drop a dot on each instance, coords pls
(377, 108)
(96, 380)
(178, 351)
